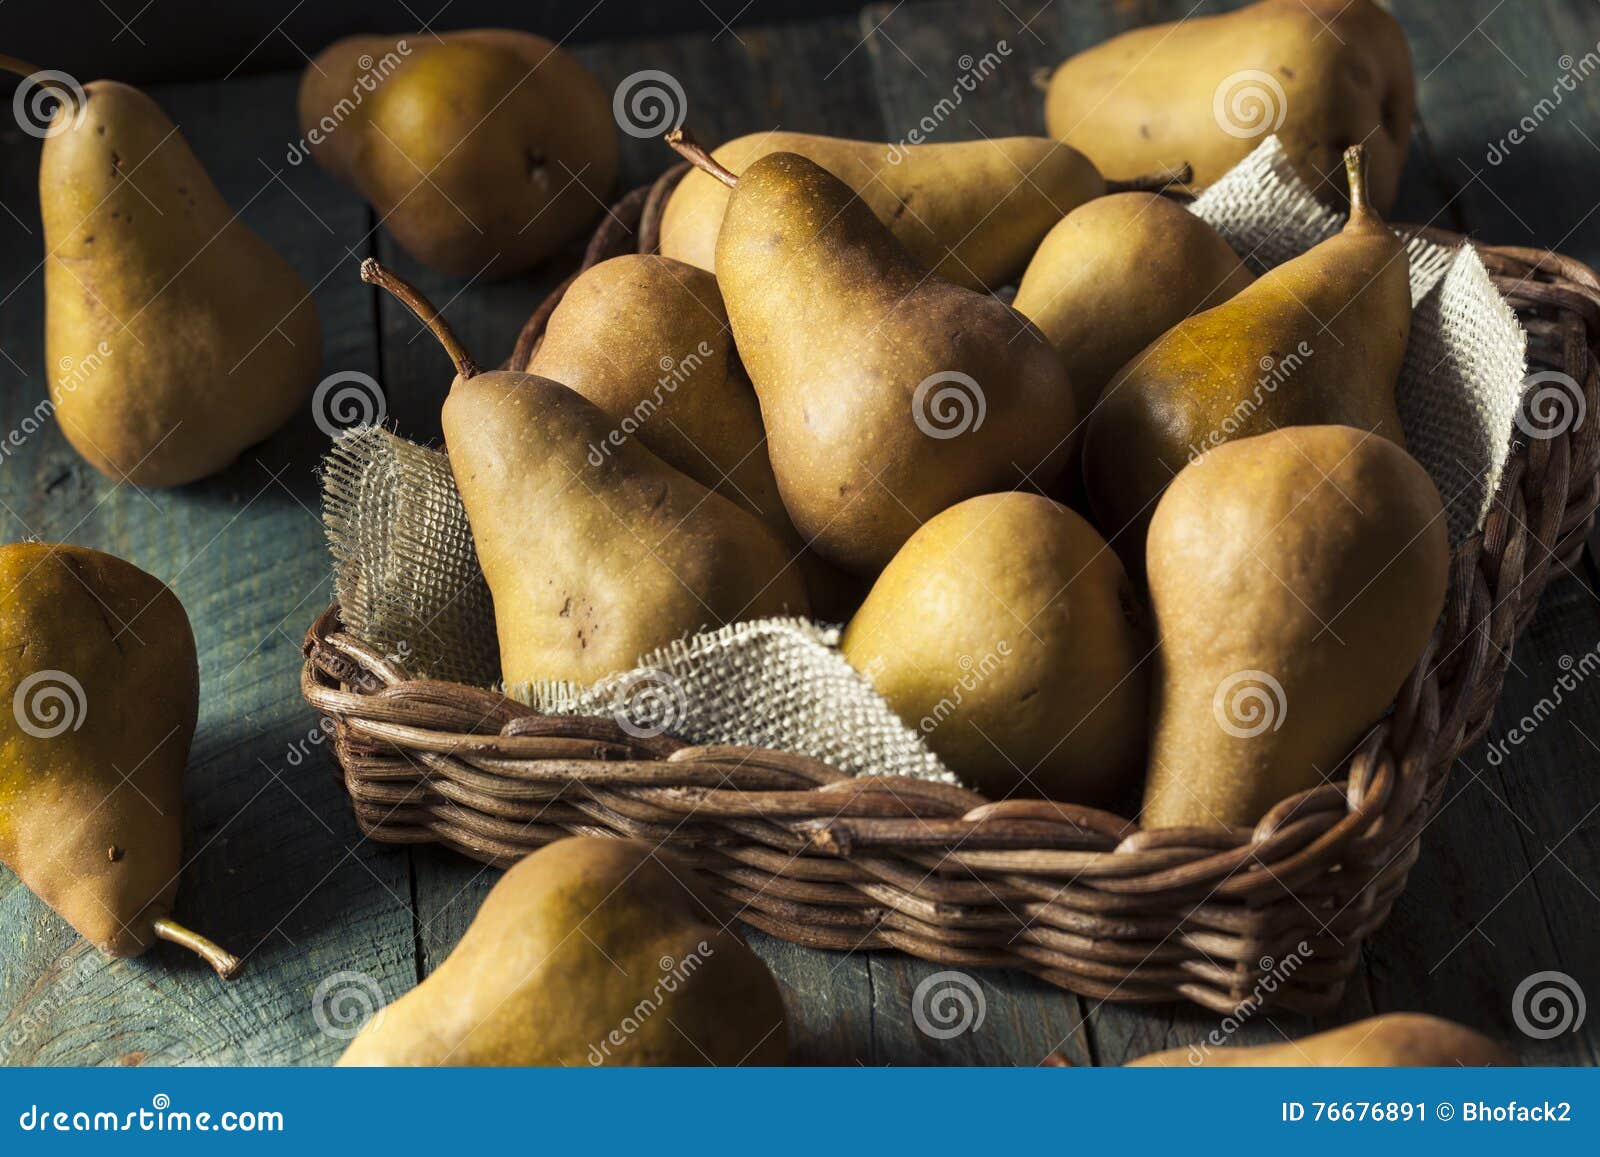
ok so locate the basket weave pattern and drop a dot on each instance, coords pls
(1269, 916)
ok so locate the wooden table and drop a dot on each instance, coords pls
(1509, 880)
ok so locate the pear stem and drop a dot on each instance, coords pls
(225, 962)
(695, 153)
(25, 70)
(411, 297)
(1355, 170)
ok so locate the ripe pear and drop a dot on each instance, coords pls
(591, 559)
(97, 664)
(1393, 1040)
(1117, 273)
(1295, 578)
(888, 394)
(1318, 340)
(646, 339)
(482, 151)
(971, 211)
(181, 339)
(1006, 632)
(588, 952)
(1205, 91)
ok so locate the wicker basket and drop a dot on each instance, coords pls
(1272, 916)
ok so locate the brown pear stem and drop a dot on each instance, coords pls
(1355, 169)
(411, 297)
(695, 153)
(225, 962)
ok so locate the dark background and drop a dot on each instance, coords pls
(149, 40)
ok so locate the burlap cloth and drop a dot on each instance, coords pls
(407, 578)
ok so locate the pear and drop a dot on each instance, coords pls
(180, 337)
(646, 339)
(595, 551)
(1117, 273)
(971, 211)
(888, 394)
(588, 952)
(1006, 632)
(1205, 91)
(97, 664)
(1393, 1040)
(483, 151)
(1319, 339)
(1295, 579)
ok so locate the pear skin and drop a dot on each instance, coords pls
(1117, 273)
(483, 152)
(1295, 579)
(97, 663)
(888, 394)
(1205, 91)
(180, 338)
(588, 952)
(1318, 340)
(1007, 634)
(595, 551)
(971, 211)
(1394, 1040)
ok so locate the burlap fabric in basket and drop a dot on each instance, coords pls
(689, 747)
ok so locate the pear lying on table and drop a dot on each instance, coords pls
(588, 952)
(970, 211)
(176, 336)
(1393, 1040)
(482, 151)
(595, 551)
(97, 664)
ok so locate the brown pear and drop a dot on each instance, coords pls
(592, 559)
(589, 952)
(1394, 1040)
(1295, 578)
(97, 666)
(1318, 340)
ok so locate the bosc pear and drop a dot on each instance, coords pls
(177, 338)
(97, 666)
(1206, 91)
(1317, 340)
(1393, 1040)
(588, 952)
(482, 151)
(971, 211)
(1295, 579)
(591, 560)
(889, 394)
